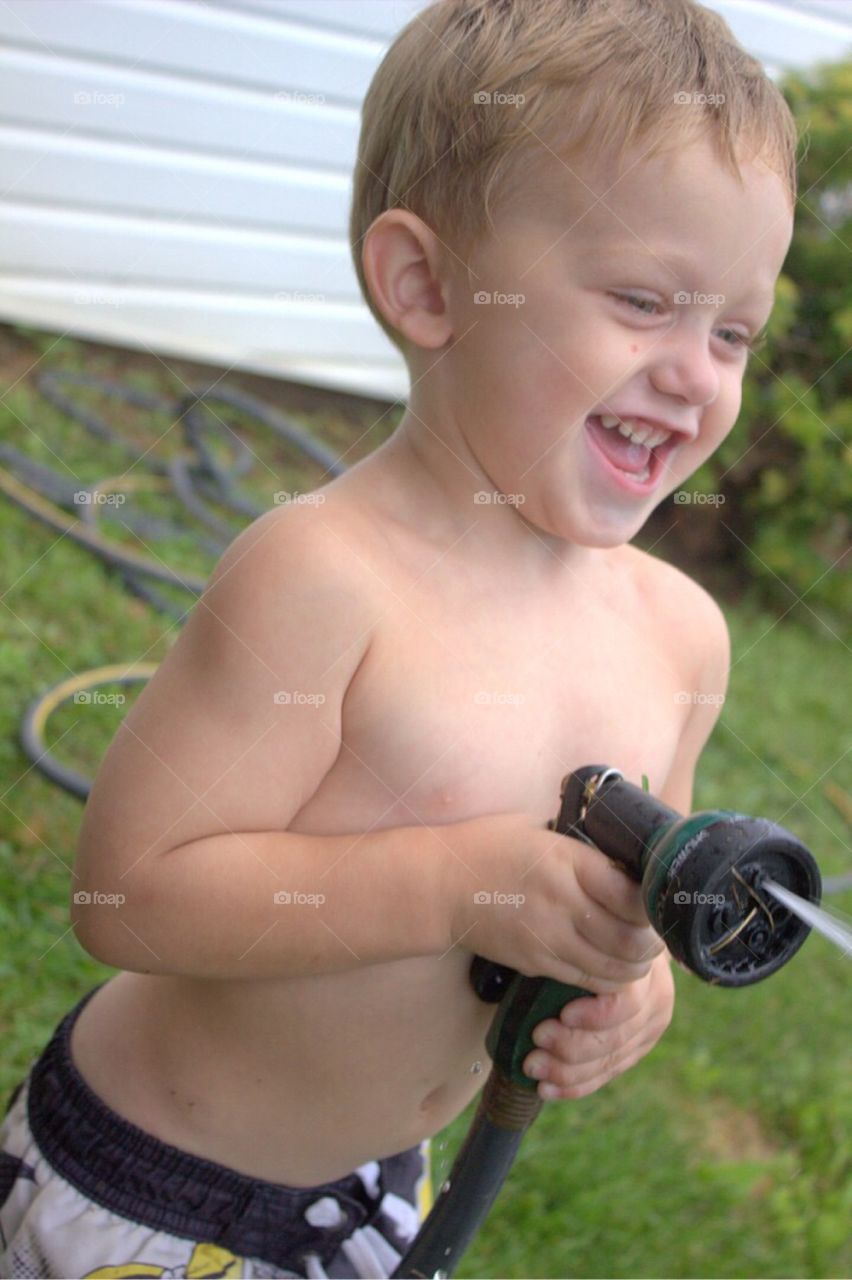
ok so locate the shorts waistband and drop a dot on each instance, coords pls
(130, 1172)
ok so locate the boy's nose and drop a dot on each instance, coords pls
(682, 365)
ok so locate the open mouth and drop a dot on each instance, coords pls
(637, 466)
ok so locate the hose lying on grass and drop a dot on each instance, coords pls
(196, 477)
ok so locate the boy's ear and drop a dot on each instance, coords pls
(403, 262)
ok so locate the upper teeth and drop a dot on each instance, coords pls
(637, 430)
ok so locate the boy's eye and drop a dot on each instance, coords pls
(749, 344)
(734, 339)
(633, 301)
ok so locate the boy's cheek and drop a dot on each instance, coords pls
(709, 443)
(713, 431)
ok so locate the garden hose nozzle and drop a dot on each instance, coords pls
(701, 876)
(701, 879)
(701, 885)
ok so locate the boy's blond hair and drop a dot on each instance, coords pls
(595, 75)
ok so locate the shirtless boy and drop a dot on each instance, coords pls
(455, 623)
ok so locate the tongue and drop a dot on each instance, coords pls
(622, 452)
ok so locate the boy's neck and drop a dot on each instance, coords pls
(435, 477)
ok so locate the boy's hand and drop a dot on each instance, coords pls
(560, 909)
(598, 1038)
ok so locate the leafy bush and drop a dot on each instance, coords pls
(786, 469)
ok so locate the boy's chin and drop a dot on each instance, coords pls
(595, 530)
(603, 540)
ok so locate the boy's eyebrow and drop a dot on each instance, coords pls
(669, 258)
(679, 262)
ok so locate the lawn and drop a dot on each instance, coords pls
(727, 1151)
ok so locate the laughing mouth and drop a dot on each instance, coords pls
(642, 447)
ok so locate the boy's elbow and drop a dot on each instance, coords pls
(95, 945)
(91, 931)
(100, 927)
(109, 948)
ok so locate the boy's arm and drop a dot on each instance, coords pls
(187, 819)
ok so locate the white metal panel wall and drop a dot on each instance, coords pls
(789, 33)
(176, 174)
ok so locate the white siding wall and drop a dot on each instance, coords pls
(175, 175)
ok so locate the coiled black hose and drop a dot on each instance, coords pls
(198, 479)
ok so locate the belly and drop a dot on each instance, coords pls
(299, 1081)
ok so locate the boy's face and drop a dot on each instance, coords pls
(604, 266)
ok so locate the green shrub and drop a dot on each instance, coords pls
(786, 469)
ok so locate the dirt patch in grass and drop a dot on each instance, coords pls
(735, 1134)
(723, 1131)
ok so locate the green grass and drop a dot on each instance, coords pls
(726, 1152)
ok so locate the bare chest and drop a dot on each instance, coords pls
(472, 702)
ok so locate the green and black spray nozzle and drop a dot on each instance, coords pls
(701, 876)
(701, 879)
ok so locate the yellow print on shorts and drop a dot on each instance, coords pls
(208, 1262)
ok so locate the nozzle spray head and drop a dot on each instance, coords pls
(701, 876)
(702, 888)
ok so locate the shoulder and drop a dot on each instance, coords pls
(298, 568)
(323, 542)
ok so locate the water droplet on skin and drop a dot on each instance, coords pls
(476, 1068)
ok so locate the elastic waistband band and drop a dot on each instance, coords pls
(128, 1171)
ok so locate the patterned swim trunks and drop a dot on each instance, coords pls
(84, 1193)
